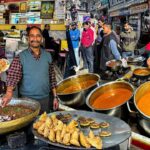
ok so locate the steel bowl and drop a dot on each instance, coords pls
(116, 66)
(143, 75)
(143, 119)
(16, 124)
(76, 98)
(115, 111)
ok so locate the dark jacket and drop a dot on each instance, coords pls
(106, 53)
(47, 39)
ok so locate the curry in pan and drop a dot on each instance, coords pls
(112, 98)
(77, 87)
(12, 112)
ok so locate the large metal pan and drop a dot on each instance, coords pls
(13, 125)
(143, 119)
(119, 129)
(76, 98)
(110, 88)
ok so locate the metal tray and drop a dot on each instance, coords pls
(119, 129)
(16, 124)
(135, 59)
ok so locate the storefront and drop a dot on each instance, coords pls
(134, 14)
(24, 13)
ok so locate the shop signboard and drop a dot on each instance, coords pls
(139, 8)
(47, 9)
(60, 9)
(114, 13)
(7, 1)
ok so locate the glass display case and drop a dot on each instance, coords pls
(25, 18)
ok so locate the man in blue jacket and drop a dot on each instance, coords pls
(75, 39)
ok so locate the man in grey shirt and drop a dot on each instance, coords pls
(128, 40)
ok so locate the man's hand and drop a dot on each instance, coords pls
(55, 103)
(6, 98)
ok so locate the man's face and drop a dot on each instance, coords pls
(35, 38)
(100, 23)
(47, 27)
(106, 29)
(73, 27)
(126, 27)
(86, 26)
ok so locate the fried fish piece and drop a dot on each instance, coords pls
(72, 124)
(66, 139)
(46, 132)
(63, 131)
(48, 122)
(91, 134)
(41, 129)
(95, 142)
(84, 141)
(75, 138)
(52, 135)
(105, 133)
(53, 117)
(43, 117)
(37, 124)
(58, 137)
(59, 125)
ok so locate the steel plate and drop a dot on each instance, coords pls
(119, 129)
(135, 59)
(16, 124)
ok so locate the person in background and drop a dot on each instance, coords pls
(70, 58)
(13, 27)
(34, 72)
(117, 30)
(75, 39)
(87, 40)
(100, 35)
(109, 50)
(92, 26)
(128, 40)
(46, 36)
(24, 35)
(147, 48)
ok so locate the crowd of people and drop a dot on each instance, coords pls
(96, 46)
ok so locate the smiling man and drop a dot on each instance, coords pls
(33, 71)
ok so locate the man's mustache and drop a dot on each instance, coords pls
(35, 42)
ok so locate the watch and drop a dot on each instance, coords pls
(56, 96)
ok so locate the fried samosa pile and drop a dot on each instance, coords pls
(68, 134)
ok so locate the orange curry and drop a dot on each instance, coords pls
(142, 72)
(144, 104)
(112, 98)
(78, 87)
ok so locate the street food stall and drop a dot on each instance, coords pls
(105, 111)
